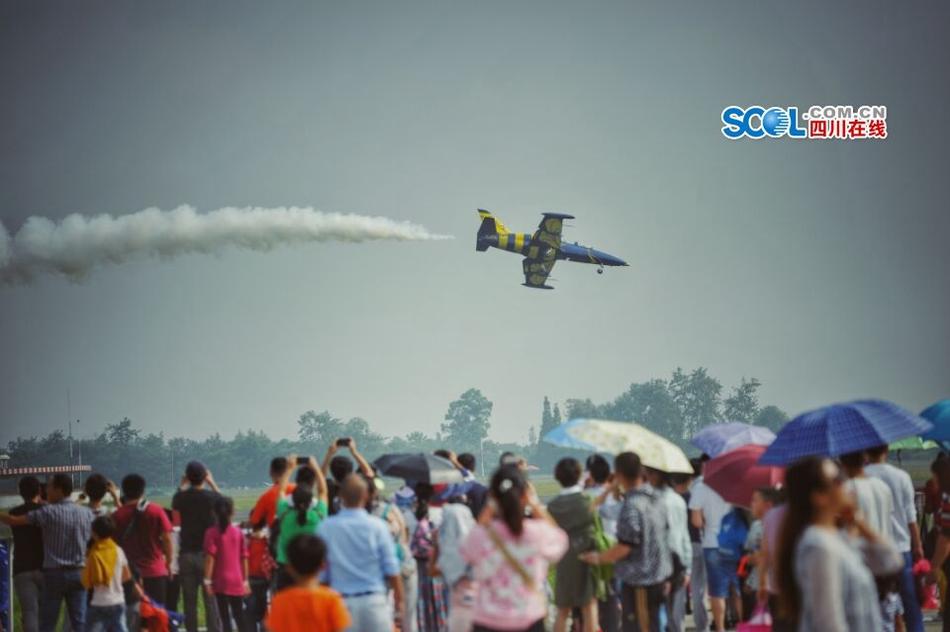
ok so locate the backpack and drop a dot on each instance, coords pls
(603, 573)
(733, 531)
(420, 545)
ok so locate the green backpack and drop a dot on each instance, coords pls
(603, 573)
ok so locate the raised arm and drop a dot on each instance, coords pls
(331, 452)
(363, 464)
(537, 509)
(113, 491)
(209, 479)
(323, 492)
(285, 477)
(880, 556)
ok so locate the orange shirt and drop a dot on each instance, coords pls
(316, 609)
(266, 506)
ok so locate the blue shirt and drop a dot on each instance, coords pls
(67, 528)
(361, 553)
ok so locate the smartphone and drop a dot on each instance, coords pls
(342, 443)
(303, 460)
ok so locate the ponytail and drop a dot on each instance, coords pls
(508, 487)
(302, 499)
(223, 512)
(424, 492)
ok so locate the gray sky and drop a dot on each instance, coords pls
(819, 267)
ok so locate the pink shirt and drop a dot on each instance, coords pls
(229, 551)
(503, 601)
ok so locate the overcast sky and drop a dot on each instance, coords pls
(819, 267)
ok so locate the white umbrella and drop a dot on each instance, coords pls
(615, 437)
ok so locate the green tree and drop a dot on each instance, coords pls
(547, 419)
(122, 433)
(418, 441)
(697, 395)
(467, 421)
(771, 417)
(317, 430)
(369, 443)
(743, 404)
(649, 404)
(582, 408)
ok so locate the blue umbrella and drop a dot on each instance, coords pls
(562, 438)
(939, 415)
(719, 438)
(842, 428)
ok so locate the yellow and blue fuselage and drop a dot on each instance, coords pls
(493, 235)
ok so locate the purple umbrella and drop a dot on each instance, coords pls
(719, 438)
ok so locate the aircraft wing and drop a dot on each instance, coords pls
(549, 231)
(536, 272)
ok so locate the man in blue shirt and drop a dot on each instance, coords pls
(361, 559)
(66, 529)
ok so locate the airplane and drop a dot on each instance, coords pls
(542, 249)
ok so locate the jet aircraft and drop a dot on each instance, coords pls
(540, 249)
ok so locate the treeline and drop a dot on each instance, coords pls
(674, 407)
(243, 459)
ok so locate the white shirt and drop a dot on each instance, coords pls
(875, 504)
(609, 510)
(677, 516)
(902, 493)
(714, 508)
(111, 595)
(457, 522)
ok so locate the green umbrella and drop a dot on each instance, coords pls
(913, 443)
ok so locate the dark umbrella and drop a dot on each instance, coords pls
(736, 474)
(842, 428)
(419, 468)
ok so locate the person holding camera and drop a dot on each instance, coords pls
(337, 467)
(195, 501)
(299, 514)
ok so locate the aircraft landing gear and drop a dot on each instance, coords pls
(600, 270)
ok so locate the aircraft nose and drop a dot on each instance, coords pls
(610, 260)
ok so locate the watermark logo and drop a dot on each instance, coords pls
(844, 122)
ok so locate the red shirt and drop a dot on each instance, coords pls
(260, 563)
(266, 506)
(143, 543)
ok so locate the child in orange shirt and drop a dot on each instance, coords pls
(307, 606)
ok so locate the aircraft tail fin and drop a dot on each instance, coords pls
(490, 227)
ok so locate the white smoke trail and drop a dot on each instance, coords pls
(75, 245)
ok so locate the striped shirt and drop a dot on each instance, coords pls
(67, 528)
(643, 526)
